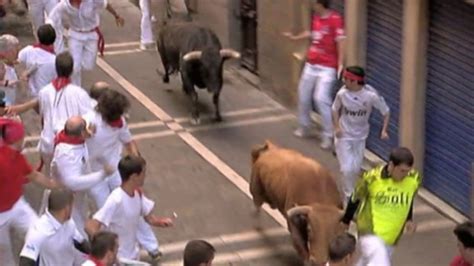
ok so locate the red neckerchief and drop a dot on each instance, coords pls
(61, 137)
(60, 83)
(96, 261)
(117, 123)
(47, 48)
(459, 261)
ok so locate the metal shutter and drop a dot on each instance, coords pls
(384, 28)
(450, 102)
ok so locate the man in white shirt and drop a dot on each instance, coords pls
(54, 238)
(38, 9)
(123, 209)
(39, 60)
(104, 249)
(351, 112)
(110, 136)
(85, 37)
(71, 166)
(9, 47)
(57, 102)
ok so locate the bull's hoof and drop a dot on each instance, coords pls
(195, 121)
(166, 79)
(218, 118)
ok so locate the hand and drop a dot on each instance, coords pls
(24, 76)
(410, 227)
(53, 184)
(161, 222)
(91, 129)
(338, 132)
(108, 169)
(343, 227)
(288, 34)
(12, 110)
(340, 70)
(119, 21)
(384, 135)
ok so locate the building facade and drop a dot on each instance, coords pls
(419, 54)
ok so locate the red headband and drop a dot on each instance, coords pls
(13, 131)
(352, 76)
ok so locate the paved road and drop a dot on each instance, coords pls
(202, 172)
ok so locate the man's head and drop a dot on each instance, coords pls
(60, 203)
(98, 89)
(132, 170)
(465, 235)
(76, 127)
(400, 163)
(9, 48)
(112, 105)
(341, 249)
(64, 65)
(198, 253)
(46, 34)
(354, 77)
(320, 6)
(104, 247)
(12, 133)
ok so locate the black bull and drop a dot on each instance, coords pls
(197, 53)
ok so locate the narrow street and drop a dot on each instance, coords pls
(202, 172)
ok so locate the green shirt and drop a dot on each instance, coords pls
(385, 203)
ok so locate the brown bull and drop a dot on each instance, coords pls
(304, 192)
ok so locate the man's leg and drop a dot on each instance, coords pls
(147, 239)
(146, 33)
(344, 157)
(76, 48)
(305, 92)
(6, 253)
(79, 211)
(373, 252)
(46, 158)
(49, 5)
(24, 216)
(36, 10)
(322, 97)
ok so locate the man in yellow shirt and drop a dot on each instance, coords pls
(383, 199)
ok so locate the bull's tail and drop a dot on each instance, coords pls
(258, 149)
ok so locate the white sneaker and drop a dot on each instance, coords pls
(326, 143)
(146, 46)
(302, 132)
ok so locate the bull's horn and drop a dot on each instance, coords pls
(192, 55)
(298, 210)
(229, 53)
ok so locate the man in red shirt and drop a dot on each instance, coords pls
(465, 234)
(14, 172)
(324, 60)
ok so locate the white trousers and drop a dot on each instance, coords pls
(100, 192)
(146, 32)
(373, 251)
(316, 84)
(37, 10)
(46, 158)
(20, 217)
(350, 154)
(84, 54)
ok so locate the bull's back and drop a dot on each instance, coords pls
(312, 183)
(187, 37)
